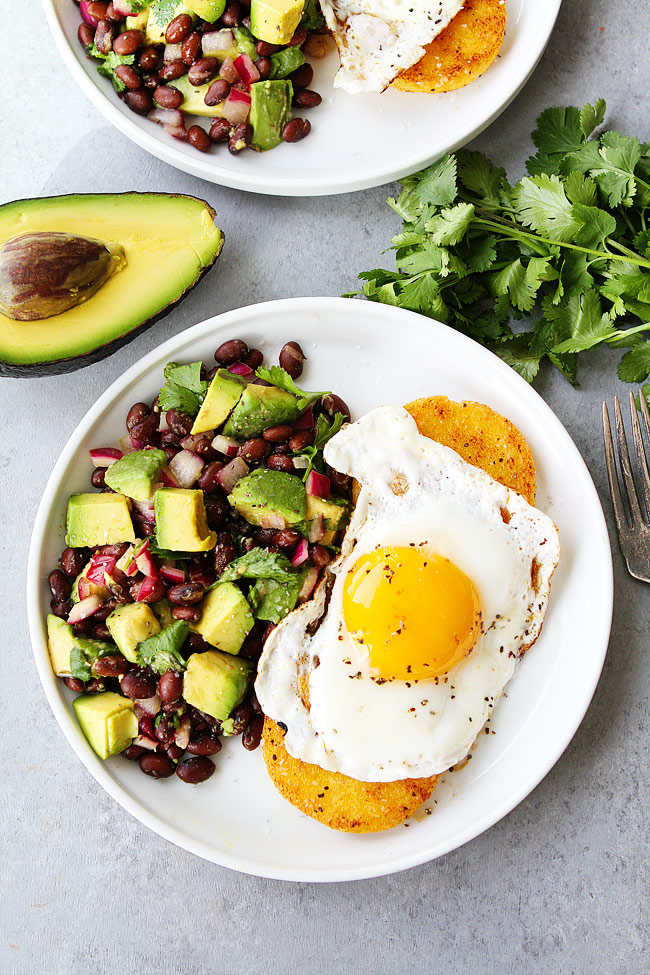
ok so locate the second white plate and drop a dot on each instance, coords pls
(370, 354)
(357, 140)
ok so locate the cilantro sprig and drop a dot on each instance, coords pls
(324, 431)
(108, 63)
(161, 651)
(567, 247)
(184, 390)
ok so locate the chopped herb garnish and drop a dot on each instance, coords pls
(161, 652)
(184, 390)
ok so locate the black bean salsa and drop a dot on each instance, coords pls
(213, 519)
(239, 65)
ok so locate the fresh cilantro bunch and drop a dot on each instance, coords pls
(567, 247)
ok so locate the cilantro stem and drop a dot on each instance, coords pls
(517, 233)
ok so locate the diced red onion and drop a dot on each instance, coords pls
(168, 478)
(123, 7)
(163, 424)
(131, 569)
(215, 41)
(177, 131)
(182, 734)
(186, 468)
(105, 456)
(228, 71)
(125, 560)
(146, 564)
(233, 471)
(236, 106)
(126, 444)
(143, 741)
(148, 705)
(225, 445)
(84, 588)
(100, 564)
(240, 369)
(83, 10)
(300, 553)
(246, 69)
(301, 463)
(84, 609)
(316, 530)
(172, 574)
(309, 584)
(172, 52)
(318, 485)
(148, 585)
(166, 116)
(204, 579)
(306, 420)
(273, 520)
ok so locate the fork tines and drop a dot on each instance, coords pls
(631, 512)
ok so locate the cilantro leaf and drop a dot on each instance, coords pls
(517, 353)
(108, 63)
(580, 323)
(258, 564)
(326, 430)
(481, 177)
(272, 600)
(452, 224)
(312, 17)
(543, 205)
(558, 132)
(513, 281)
(82, 654)
(161, 652)
(184, 390)
(591, 116)
(634, 367)
(277, 376)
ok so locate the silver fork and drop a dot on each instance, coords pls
(632, 514)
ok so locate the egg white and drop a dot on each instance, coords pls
(317, 680)
(378, 39)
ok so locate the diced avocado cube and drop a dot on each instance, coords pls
(216, 683)
(163, 611)
(135, 474)
(261, 407)
(62, 640)
(267, 497)
(159, 16)
(270, 112)
(194, 95)
(131, 624)
(138, 21)
(334, 512)
(181, 524)
(226, 618)
(98, 519)
(285, 62)
(275, 21)
(222, 396)
(245, 41)
(107, 720)
(209, 10)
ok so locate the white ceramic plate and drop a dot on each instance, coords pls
(370, 354)
(357, 140)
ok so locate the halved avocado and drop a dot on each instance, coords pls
(168, 242)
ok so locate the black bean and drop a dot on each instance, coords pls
(203, 70)
(85, 34)
(216, 510)
(97, 477)
(59, 585)
(220, 130)
(149, 59)
(208, 478)
(73, 561)
(112, 665)
(287, 538)
(230, 352)
(217, 92)
(185, 594)
(240, 718)
(255, 450)
(254, 359)
(198, 137)
(224, 552)
(168, 97)
(178, 29)
(240, 137)
(170, 686)
(278, 462)
(134, 752)
(73, 684)
(303, 76)
(195, 770)
(276, 434)
(319, 555)
(173, 70)
(306, 98)
(128, 42)
(137, 413)
(62, 610)
(138, 684)
(191, 48)
(296, 129)
(204, 745)
(187, 613)
(146, 431)
(301, 439)
(292, 358)
(252, 735)
(139, 101)
(231, 15)
(332, 404)
(157, 765)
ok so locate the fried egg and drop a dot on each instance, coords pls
(393, 668)
(377, 39)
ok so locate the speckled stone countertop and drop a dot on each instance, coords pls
(562, 883)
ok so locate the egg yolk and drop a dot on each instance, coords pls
(416, 614)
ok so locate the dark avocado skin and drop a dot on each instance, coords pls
(73, 363)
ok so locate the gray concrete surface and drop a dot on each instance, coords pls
(561, 885)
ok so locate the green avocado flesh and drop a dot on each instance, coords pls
(168, 242)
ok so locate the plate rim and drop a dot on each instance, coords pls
(277, 185)
(228, 321)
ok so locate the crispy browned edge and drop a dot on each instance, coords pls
(482, 438)
(462, 52)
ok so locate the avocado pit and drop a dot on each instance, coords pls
(46, 273)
